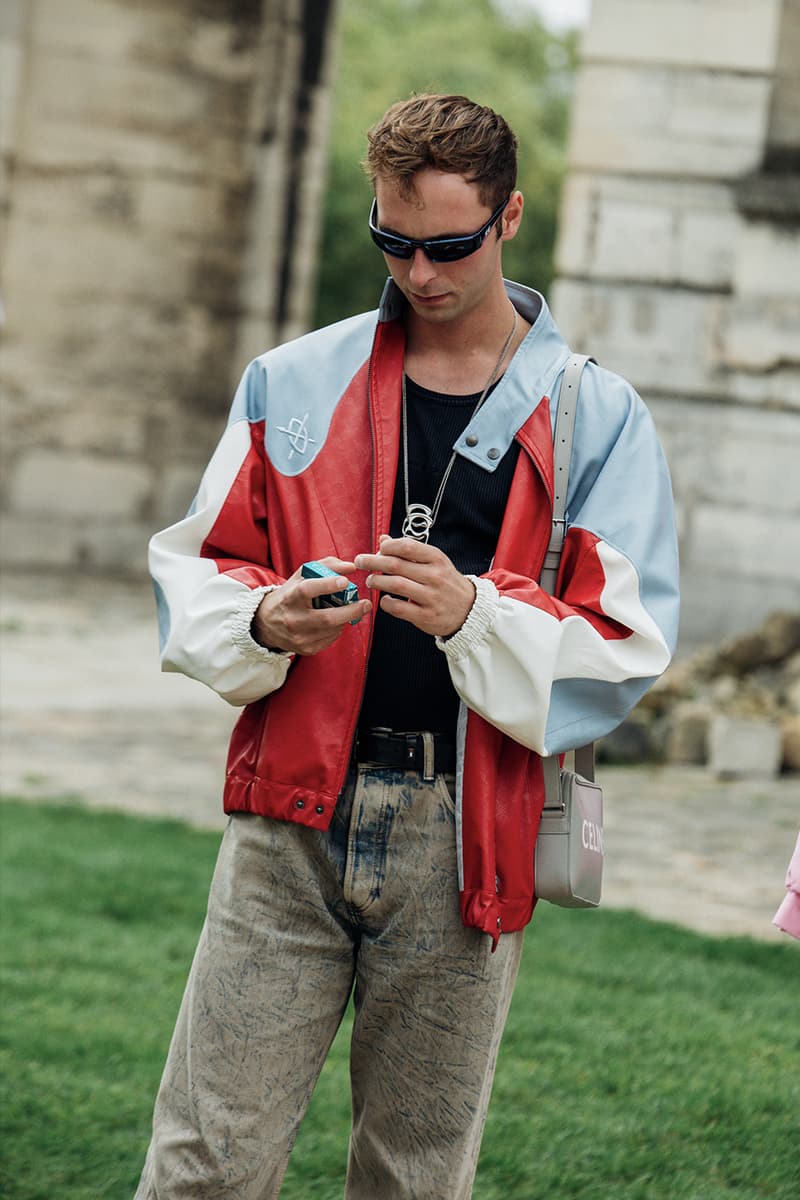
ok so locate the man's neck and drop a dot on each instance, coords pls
(457, 357)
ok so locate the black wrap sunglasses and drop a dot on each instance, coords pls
(439, 249)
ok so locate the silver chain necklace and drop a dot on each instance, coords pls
(419, 518)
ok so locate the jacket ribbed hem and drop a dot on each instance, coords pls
(241, 622)
(478, 623)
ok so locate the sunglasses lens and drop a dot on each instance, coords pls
(452, 250)
(396, 247)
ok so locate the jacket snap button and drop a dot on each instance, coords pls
(299, 803)
(320, 809)
(471, 440)
(498, 922)
(493, 453)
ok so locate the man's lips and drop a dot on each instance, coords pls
(428, 299)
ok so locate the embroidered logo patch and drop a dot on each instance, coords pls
(297, 433)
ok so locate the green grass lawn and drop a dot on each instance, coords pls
(640, 1062)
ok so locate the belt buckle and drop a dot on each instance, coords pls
(410, 754)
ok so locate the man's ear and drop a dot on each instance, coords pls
(512, 216)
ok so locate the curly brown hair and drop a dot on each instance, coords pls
(448, 133)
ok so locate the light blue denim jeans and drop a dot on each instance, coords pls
(297, 921)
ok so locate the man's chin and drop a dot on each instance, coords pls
(442, 305)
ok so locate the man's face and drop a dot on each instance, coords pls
(444, 204)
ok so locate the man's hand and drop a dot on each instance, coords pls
(433, 595)
(285, 620)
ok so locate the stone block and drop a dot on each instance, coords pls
(768, 262)
(687, 732)
(53, 145)
(92, 92)
(778, 389)
(100, 346)
(119, 545)
(660, 339)
(634, 241)
(665, 121)
(770, 644)
(751, 458)
(210, 47)
(645, 229)
(705, 245)
(98, 30)
(744, 747)
(63, 542)
(109, 196)
(72, 484)
(10, 68)
(34, 542)
(87, 91)
(175, 492)
(12, 19)
(784, 126)
(192, 207)
(74, 260)
(736, 35)
(87, 425)
(717, 602)
(762, 545)
(790, 733)
(630, 742)
(759, 334)
(153, 33)
(791, 687)
(574, 248)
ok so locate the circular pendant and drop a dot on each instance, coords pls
(417, 524)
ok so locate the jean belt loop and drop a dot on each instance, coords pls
(428, 762)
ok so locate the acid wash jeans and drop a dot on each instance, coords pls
(296, 917)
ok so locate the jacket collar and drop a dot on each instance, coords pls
(528, 378)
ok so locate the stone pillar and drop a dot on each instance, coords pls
(289, 126)
(673, 272)
(161, 171)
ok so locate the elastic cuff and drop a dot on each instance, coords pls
(242, 620)
(478, 623)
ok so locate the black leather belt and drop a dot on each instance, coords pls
(429, 753)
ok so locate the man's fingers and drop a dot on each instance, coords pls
(409, 549)
(309, 588)
(399, 555)
(324, 586)
(396, 585)
(343, 565)
(388, 566)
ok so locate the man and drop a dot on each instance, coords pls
(384, 780)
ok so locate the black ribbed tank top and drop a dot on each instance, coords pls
(408, 683)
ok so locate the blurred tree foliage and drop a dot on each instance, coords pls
(504, 58)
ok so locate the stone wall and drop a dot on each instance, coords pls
(161, 169)
(679, 267)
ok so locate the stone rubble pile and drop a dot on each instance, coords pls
(734, 707)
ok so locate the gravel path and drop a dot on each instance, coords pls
(85, 714)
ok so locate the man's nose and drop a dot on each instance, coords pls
(422, 270)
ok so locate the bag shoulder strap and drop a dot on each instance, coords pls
(562, 453)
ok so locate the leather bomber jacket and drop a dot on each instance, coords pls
(306, 468)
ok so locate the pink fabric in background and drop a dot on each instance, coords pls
(787, 917)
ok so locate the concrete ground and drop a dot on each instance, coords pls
(85, 714)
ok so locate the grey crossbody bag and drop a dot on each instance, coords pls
(568, 865)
